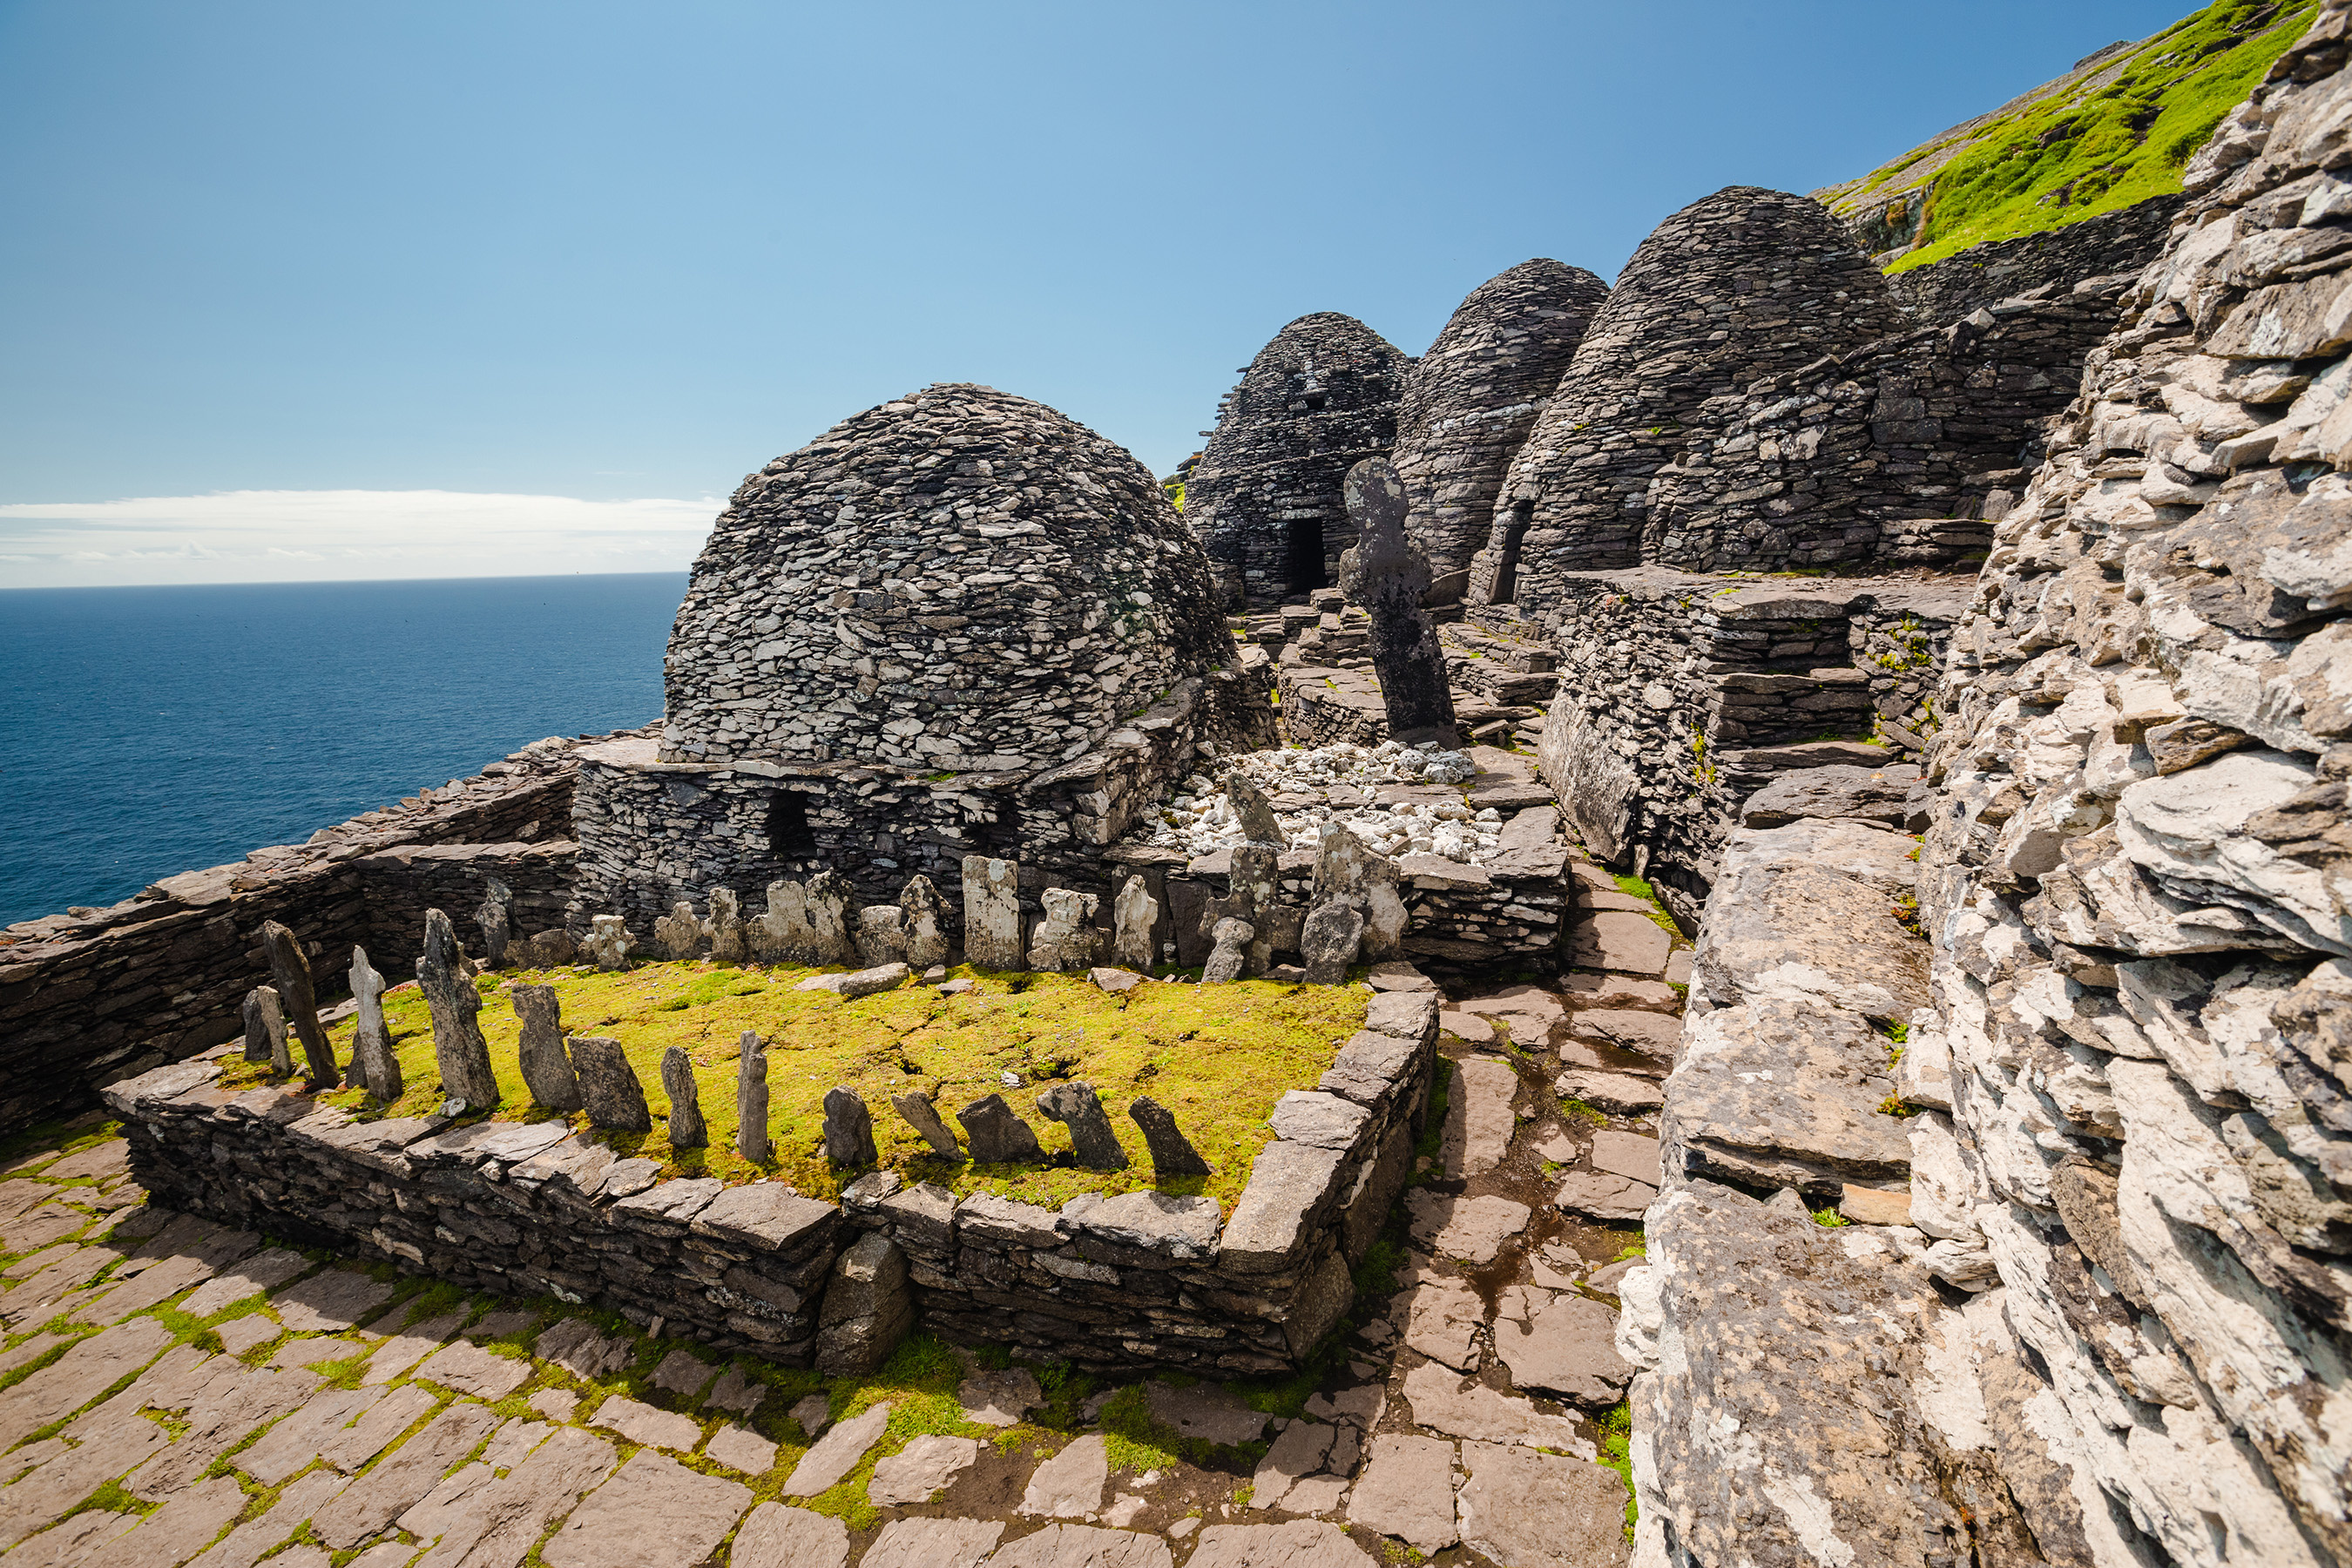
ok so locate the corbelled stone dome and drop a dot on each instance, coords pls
(1265, 500)
(1472, 400)
(959, 579)
(1742, 284)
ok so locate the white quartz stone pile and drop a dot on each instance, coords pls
(1340, 783)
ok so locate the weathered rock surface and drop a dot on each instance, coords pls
(547, 1069)
(609, 1089)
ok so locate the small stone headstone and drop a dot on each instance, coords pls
(264, 1030)
(848, 1128)
(496, 918)
(751, 1100)
(1232, 951)
(1328, 940)
(678, 934)
(608, 942)
(830, 900)
(1135, 915)
(1390, 581)
(546, 1066)
(290, 971)
(609, 1086)
(924, 1117)
(1063, 939)
(1172, 1153)
(724, 930)
(375, 1067)
(553, 949)
(995, 1136)
(1256, 882)
(459, 1048)
(919, 908)
(881, 938)
(1075, 1107)
(1259, 825)
(686, 1128)
(992, 913)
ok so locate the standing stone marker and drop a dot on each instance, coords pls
(375, 1067)
(1391, 579)
(1257, 883)
(996, 1136)
(553, 948)
(546, 1066)
(496, 918)
(1135, 915)
(992, 913)
(918, 908)
(924, 1118)
(848, 1128)
(290, 972)
(1063, 939)
(608, 942)
(1075, 1107)
(1225, 962)
(678, 934)
(1172, 1153)
(725, 927)
(686, 1128)
(751, 1100)
(1328, 942)
(264, 1030)
(830, 899)
(1259, 825)
(459, 1048)
(609, 1086)
(880, 939)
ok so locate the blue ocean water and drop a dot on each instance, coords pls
(159, 730)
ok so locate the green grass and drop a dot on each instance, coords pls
(1830, 1218)
(1217, 1056)
(1616, 1452)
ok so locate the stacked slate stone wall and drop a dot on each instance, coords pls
(1682, 694)
(1471, 401)
(654, 833)
(92, 994)
(2124, 241)
(401, 884)
(1265, 500)
(1745, 283)
(1886, 456)
(521, 1208)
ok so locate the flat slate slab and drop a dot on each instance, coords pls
(777, 1535)
(1205, 1411)
(1618, 1093)
(932, 1543)
(1471, 1229)
(655, 1513)
(1526, 1509)
(1083, 1546)
(837, 1453)
(1639, 1030)
(1478, 1119)
(1560, 1343)
(926, 1466)
(1445, 1321)
(1596, 1194)
(332, 1299)
(1407, 1490)
(1619, 941)
(1787, 1093)
(1070, 1484)
(1301, 1543)
(1442, 1404)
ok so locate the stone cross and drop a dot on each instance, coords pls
(264, 1030)
(463, 1055)
(751, 1100)
(609, 1086)
(608, 942)
(1172, 1153)
(848, 1128)
(375, 1067)
(1074, 1106)
(546, 1065)
(992, 913)
(1232, 938)
(1135, 915)
(496, 918)
(918, 907)
(686, 1128)
(880, 939)
(924, 1117)
(1063, 939)
(1389, 580)
(290, 972)
(996, 1136)
(678, 934)
(725, 927)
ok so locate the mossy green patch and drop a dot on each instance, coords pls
(1617, 1453)
(1218, 1057)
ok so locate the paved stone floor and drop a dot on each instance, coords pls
(173, 1392)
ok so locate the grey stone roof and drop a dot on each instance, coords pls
(959, 579)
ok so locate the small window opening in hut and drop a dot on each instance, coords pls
(788, 823)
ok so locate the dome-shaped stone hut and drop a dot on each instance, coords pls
(1472, 400)
(958, 580)
(1742, 284)
(1265, 500)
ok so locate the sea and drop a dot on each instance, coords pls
(161, 730)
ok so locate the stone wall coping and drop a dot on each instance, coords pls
(1288, 1187)
(765, 1214)
(409, 854)
(990, 1217)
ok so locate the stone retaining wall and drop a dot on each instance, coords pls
(2112, 242)
(522, 1208)
(401, 884)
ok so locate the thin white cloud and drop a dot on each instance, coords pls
(293, 536)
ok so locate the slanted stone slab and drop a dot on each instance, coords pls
(1478, 1119)
(1325, 1120)
(1070, 1484)
(1442, 1404)
(741, 1450)
(859, 982)
(1445, 1316)
(1787, 1093)
(926, 1466)
(1627, 1154)
(837, 1453)
(1083, 1546)
(777, 1535)
(1618, 940)
(1618, 1093)
(1562, 1344)
(683, 1372)
(1472, 1230)
(1093, 1143)
(647, 1426)
(1297, 1452)
(1596, 1194)
(1172, 1154)
(1287, 1190)
(392, 1488)
(1526, 1509)
(933, 1543)
(469, 1369)
(655, 1511)
(577, 1346)
(1638, 1030)
(994, 1133)
(1300, 1543)
(1407, 1492)
(609, 1088)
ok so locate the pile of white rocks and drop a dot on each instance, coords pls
(1338, 783)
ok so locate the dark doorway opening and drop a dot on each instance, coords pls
(1506, 564)
(788, 825)
(1302, 567)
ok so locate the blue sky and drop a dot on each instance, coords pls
(428, 289)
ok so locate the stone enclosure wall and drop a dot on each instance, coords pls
(2099, 247)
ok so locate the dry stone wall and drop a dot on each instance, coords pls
(2056, 259)
(1265, 500)
(1471, 401)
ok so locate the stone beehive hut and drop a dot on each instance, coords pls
(1472, 400)
(1264, 501)
(1746, 283)
(959, 579)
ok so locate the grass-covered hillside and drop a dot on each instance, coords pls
(2114, 131)
(1218, 1057)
